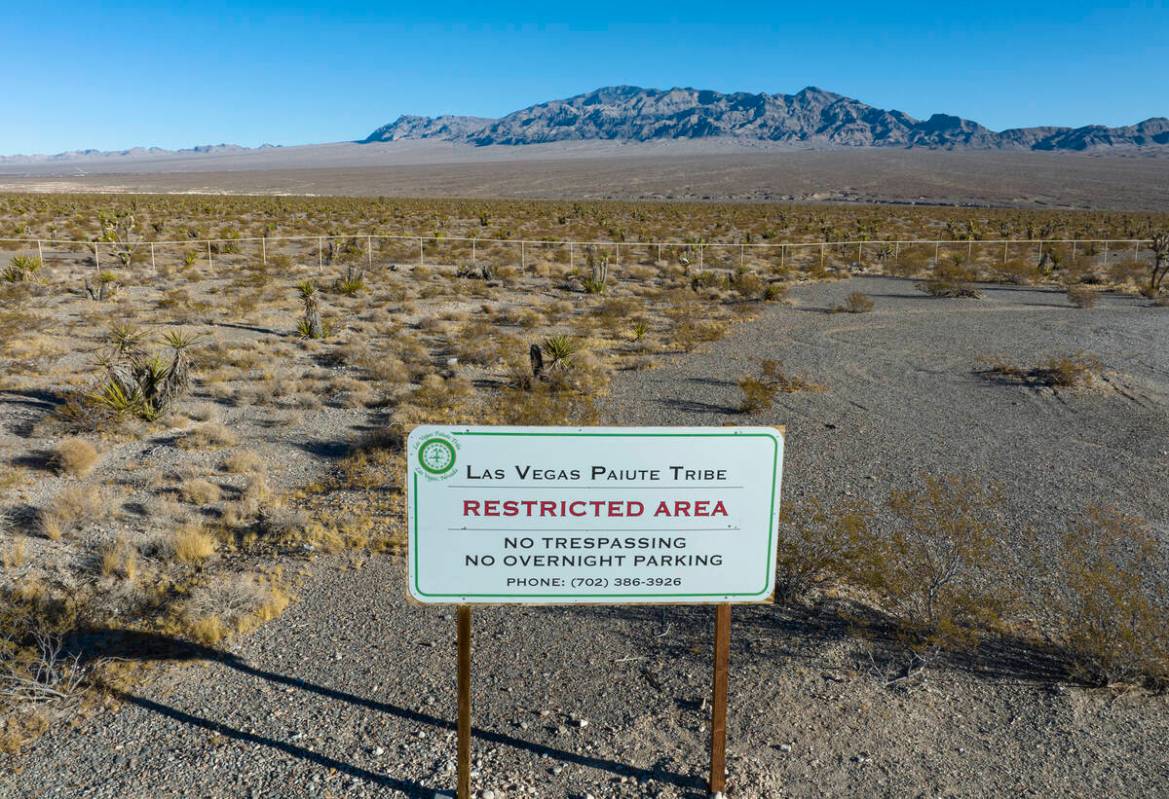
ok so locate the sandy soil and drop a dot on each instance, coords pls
(351, 692)
(683, 170)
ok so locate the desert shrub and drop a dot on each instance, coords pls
(775, 292)
(708, 280)
(542, 405)
(74, 456)
(748, 285)
(1018, 271)
(436, 393)
(759, 391)
(585, 373)
(1106, 600)
(758, 395)
(856, 302)
(940, 569)
(1082, 297)
(689, 333)
(227, 605)
(1060, 371)
(773, 372)
(818, 545)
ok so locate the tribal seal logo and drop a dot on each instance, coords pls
(436, 456)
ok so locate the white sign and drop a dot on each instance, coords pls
(562, 515)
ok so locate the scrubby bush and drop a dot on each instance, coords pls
(759, 391)
(856, 302)
(950, 280)
(1060, 371)
(75, 457)
(1082, 297)
(1107, 601)
(817, 545)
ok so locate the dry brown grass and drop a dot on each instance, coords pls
(192, 544)
(14, 555)
(73, 508)
(200, 492)
(119, 559)
(75, 457)
(211, 435)
(244, 462)
(233, 604)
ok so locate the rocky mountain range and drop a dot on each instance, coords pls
(811, 117)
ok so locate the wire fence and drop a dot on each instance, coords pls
(456, 250)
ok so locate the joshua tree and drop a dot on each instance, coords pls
(1160, 266)
(118, 230)
(599, 269)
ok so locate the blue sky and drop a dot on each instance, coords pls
(117, 74)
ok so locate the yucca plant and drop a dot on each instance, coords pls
(106, 288)
(126, 338)
(21, 269)
(310, 326)
(352, 284)
(560, 350)
(140, 385)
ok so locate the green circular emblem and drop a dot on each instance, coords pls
(436, 455)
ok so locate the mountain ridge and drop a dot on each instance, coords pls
(810, 117)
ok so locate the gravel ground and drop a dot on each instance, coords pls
(351, 692)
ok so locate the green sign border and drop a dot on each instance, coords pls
(769, 567)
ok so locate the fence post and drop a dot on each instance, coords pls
(474, 250)
(782, 253)
(153, 265)
(937, 247)
(97, 256)
(617, 252)
(659, 253)
(369, 251)
(1005, 243)
(210, 260)
(1136, 249)
(1074, 242)
(741, 253)
(40, 253)
(421, 253)
(1106, 253)
(523, 257)
(822, 255)
(320, 253)
(700, 250)
(264, 250)
(1039, 253)
(571, 256)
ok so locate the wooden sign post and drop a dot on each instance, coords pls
(464, 689)
(602, 515)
